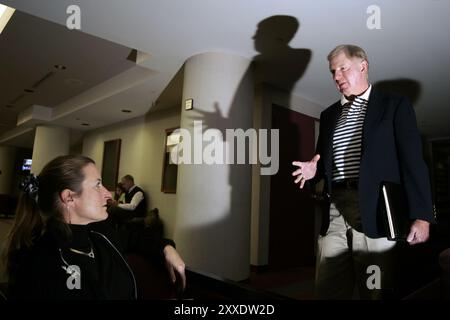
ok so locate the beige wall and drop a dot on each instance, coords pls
(141, 155)
(153, 153)
(131, 156)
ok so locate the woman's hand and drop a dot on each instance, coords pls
(174, 263)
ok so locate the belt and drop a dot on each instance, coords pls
(345, 184)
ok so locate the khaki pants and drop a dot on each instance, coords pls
(349, 264)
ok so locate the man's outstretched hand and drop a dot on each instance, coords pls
(306, 170)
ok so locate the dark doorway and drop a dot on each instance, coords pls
(111, 161)
(291, 231)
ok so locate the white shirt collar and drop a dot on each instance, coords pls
(364, 96)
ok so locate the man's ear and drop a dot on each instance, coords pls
(66, 196)
(364, 66)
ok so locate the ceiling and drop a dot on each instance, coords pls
(410, 53)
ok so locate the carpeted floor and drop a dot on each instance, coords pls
(295, 283)
(298, 290)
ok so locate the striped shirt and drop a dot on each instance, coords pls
(347, 138)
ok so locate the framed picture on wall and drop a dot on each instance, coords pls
(170, 169)
(111, 161)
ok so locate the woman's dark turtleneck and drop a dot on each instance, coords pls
(80, 237)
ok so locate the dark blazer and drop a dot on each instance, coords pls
(391, 151)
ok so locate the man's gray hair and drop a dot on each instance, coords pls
(129, 178)
(350, 51)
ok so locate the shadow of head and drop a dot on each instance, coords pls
(277, 63)
(402, 86)
(274, 32)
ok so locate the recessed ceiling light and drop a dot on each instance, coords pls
(77, 119)
(126, 111)
(9, 106)
(60, 67)
(74, 82)
(85, 124)
(29, 90)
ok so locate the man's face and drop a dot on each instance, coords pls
(349, 74)
(127, 184)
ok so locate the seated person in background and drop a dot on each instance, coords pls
(119, 194)
(62, 245)
(135, 203)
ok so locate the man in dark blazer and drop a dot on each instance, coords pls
(366, 138)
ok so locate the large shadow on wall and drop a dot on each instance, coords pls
(279, 66)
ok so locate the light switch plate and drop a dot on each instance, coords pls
(189, 104)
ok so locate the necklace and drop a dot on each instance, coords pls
(89, 254)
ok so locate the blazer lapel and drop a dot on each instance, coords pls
(374, 112)
(331, 125)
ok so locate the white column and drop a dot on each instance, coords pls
(49, 142)
(7, 166)
(212, 228)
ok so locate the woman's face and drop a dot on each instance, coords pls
(90, 205)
